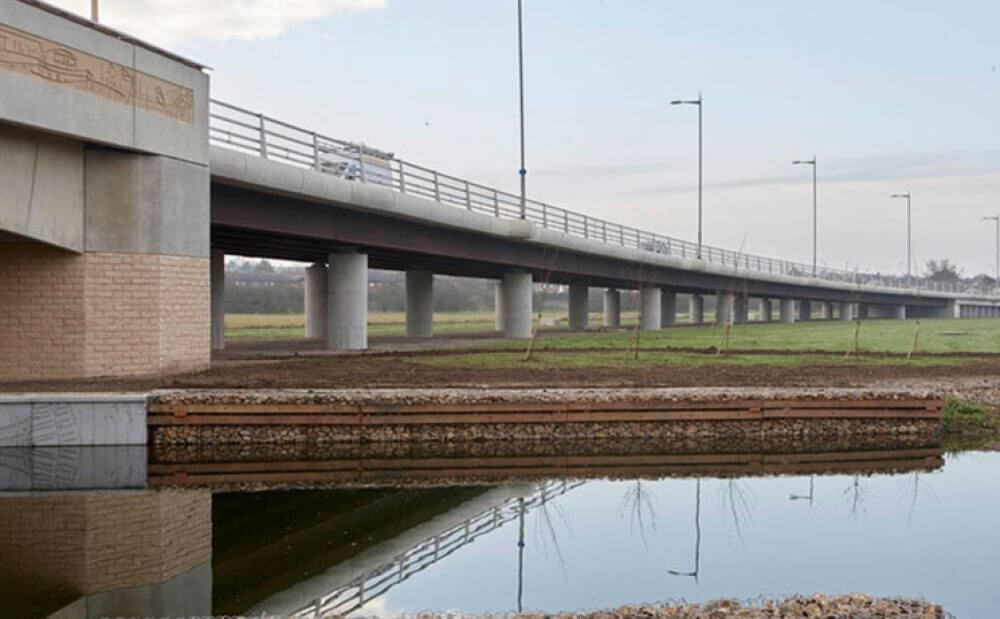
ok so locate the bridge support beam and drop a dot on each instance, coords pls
(217, 270)
(517, 305)
(696, 309)
(419, 304)
(668, 308)
(765, 310)
(846, 311)
(316, 299)
(788, 311)
(741, 309)
(649, 308)
(724, 309)
(579, 307)
(612, 309)
(805, 310)
(347, 291)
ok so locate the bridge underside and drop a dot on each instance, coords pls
(249, 222)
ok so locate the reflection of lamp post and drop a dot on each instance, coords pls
(697, 102)
(520, 550)
(697, 534)
(798, 497)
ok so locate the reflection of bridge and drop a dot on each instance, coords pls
(344, 589)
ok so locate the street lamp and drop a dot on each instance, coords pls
(909, 238)
(520, 89)
(811, 162)
(698, 103)
(93, 11)
(996, 275)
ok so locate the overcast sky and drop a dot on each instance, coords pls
(891, 96)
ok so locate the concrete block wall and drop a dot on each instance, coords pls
(100, 313)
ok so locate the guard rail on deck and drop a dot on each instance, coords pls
(235, 127)
(372, 584)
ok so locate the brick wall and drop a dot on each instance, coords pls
(100, 314)
(96, 542)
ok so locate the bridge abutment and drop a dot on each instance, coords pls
(347, 301)
(579, 307)
(419, 304)
(696, 309)
(517, 305)
(649, 308)
(612, 309)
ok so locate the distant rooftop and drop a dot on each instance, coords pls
(111, 32)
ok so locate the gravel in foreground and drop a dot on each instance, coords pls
(815, 606)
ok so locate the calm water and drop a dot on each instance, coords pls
(929, 532)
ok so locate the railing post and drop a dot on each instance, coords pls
(437, 188)
(361, 161)
(496, 204)
(545, 215)
(402, 177)
(604, 230)
(263, 137)
(566, 221)
(586, 227)
(468, 196)
(315, 152)
(621, 234)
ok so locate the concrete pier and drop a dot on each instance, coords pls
(419, 303)
(649, 308)
(579, 307)
(696, 309)
(499, 313)
(517, 305)
(863, 311)
(805, 311)
(668, 308)
(217, 268)
(900, 312)
(741, 309)
(724, 308)
(846, 311)
(765, 310)
(788, 311)
(347, 294)
(315, 285)
(612, 309)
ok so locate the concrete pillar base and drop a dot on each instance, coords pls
(724, 308)
(612, 309)
(217, 268)
(788, 311)
(741, 309)
(765, 310)
(805, 311)
(347, 294)
(316, 298)
(579, 307)
(900, 312)
(846, 312)
(668, 308)
(696, 309)
(517, 305)
(649, 308)
(419, 304)
(499, 313)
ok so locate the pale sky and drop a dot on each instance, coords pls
(890, 95)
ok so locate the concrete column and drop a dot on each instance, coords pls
(900, 312)
(579, 307)
(696, 309)
(765, 310)
(741, 309)
(863, 312)
(805, 311)
(828, 311)
(649, 308)
(668, 308)
(724, 308)
(316, 299)
(347, 305)
(788, 311)
(612, 309)
(217, 268)
(517, 305)
(846, 311)
(419, 304)
(499, 315)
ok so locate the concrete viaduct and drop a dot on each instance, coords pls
(123, 185)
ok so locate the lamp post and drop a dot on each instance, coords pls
(909, 238)
(522, 172)
(996, 274)
(93, 11)
(697, 102)
(811, 162)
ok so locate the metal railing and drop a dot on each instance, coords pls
(235, 127)
(373, 583)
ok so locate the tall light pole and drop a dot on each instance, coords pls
(909, 237)
(698, 103)
(520, 88)
(996, 275)
(811, 162)
(93, 11)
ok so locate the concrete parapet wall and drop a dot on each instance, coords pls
(101, 313)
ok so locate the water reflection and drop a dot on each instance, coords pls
(692, 526)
